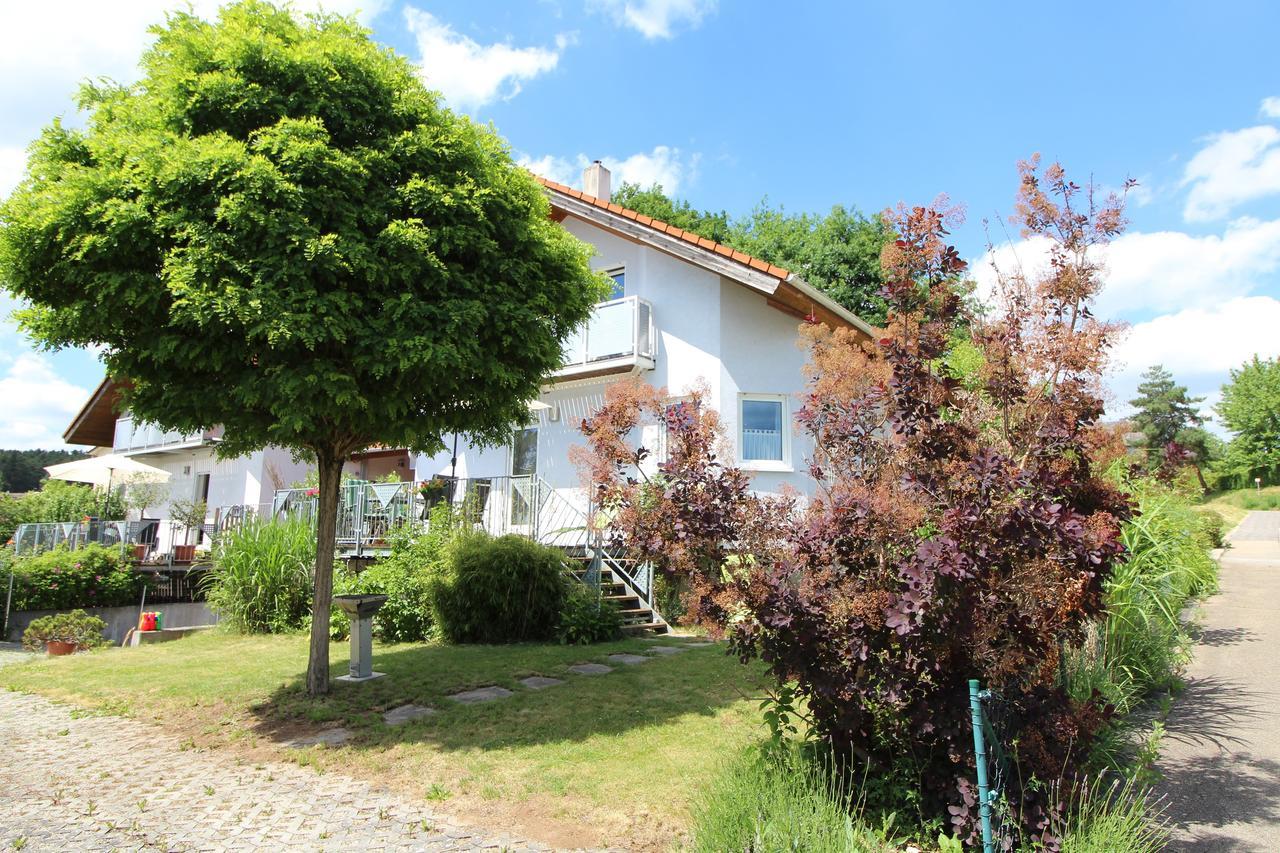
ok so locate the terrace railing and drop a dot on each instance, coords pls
(367, 512)
(37, 537)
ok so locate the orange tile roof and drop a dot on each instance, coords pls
(658, 225)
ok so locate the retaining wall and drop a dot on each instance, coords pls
(119, 619)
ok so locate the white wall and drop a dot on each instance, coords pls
(710, 331)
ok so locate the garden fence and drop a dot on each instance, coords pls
(991, 716)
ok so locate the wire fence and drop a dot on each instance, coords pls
(992, 722)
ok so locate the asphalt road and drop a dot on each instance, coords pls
(1221, 757)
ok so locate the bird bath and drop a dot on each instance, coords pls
(361, 609)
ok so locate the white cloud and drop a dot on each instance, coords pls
(663, 165)
(1270, 107)
(38, 403)
(470, 74)
(1233, 168)
(66, 42)
(1199, 341)
(13, 161)
(1163, 270)
(658, 18)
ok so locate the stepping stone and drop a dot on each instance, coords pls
(629, 660)
(405, 713)
(328, 737)
(698, 644)
(590, 669)
(481, 694)
(538, 682)
(667, 650)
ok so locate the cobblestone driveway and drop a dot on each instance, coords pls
(106, 783)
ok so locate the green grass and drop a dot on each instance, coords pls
(1117, 818)
(1235, 505)
(590, 762)
(785, 803)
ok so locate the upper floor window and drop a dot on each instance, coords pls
(764, 438)
(619, 277)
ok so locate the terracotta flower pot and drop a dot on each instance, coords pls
(57, 648)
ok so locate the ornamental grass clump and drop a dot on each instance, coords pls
(260, 582)
(1142, 643)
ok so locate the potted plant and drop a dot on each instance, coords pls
(189, 515)
(434, 490)
(64, 633)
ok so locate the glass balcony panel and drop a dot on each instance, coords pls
(611, 331)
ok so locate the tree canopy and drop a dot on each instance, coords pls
(279, 229)
(22, 470)
(1164, 408)
(838, 253)
(1250, 408)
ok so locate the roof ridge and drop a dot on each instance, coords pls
(658, 225)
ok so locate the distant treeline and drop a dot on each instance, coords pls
(22, 470)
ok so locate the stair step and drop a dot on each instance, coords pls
(645, 628)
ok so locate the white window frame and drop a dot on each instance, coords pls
(611, 272)
(785, 465)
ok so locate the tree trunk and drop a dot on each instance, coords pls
(330, 465)
(1204, 487)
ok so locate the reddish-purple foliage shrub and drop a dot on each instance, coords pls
(962, 529)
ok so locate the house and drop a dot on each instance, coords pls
(685, 311)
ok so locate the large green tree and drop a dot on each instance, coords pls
(837, 252)
(279, 229)
(1164, 408)
(1250, 408)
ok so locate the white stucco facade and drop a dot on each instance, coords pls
(710, 331)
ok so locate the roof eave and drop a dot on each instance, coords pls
(834, 307)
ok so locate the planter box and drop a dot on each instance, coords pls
(184, 553)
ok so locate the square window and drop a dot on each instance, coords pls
(763, 430)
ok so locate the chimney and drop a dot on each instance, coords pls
(595, 180)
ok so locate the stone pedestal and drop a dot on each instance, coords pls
(361, 609)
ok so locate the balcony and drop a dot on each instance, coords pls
(147, 438)
(618, 338)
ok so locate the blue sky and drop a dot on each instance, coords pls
(862, 104)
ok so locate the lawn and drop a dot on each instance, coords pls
(1235, 505)
(598, 760)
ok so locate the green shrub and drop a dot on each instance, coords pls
(93, 576)
(504, 590)
(587, 617)
(781, 801)
(1212, 527)
(57, 500)
(261, 576)
(669, 596)
(403, 577)
(75, 627)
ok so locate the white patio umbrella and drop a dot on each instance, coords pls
(104, 470)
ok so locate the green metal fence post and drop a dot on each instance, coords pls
(980, 752)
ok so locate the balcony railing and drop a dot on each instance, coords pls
(132, 437)
(618, 334)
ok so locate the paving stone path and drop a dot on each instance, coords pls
(73, 781)
(1221, 755)
(88, 783)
